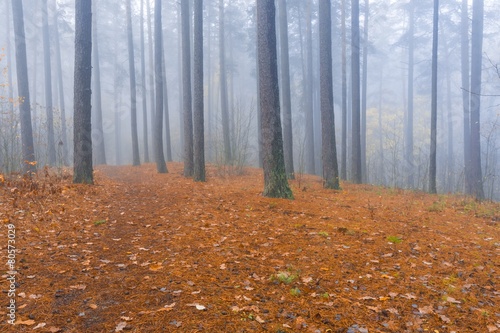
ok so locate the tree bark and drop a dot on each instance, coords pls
(364, 92)
(329, 147)
(97, 129)
(223, 86)
(161, 166)
(309, 121)
(186, 91)
(133, 92)
(357, 175)
(275, 180)
(143, 89)
(168, 140)
(343, 172)
(464, 46)
(199, 132)
(82, 169)
(409, 116)
(432, 159)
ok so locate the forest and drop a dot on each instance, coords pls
(250, 166)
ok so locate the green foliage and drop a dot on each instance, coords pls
(295, 291)
(323, 234)
(99, 222)
(394, 239)
(286, 277)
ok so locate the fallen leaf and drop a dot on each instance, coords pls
(492, 328)
(79, 287)
(93, 306)
(169, 305)
(155, 267)
(40, 325)
(28, 322)
(452, 300)
(197, 306)
(125, 318)
(444, 318)
(222, 266)
(121, 325)
(426, 309)
(54, 329)
(259, 320)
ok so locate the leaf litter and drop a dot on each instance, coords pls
(202, 256)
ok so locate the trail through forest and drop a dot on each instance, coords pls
(147, 252)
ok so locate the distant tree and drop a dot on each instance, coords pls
(343, 169)
(356, 173)
(199, 133)
(329, 147)
(64, 132)
(432, 165)
(97, 129)
(364, 83)
(161, 166)
(51, 145)
(168, 140)
(476, 175)
(409, 116)
(151, 74)
(28, 150)
(82, 169)
(133, 92)
(275, 180)
(145, 132)
(186, 90)
(223, 86)
(309, 110)
(285, 84)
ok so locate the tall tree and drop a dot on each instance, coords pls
(143, 89)
(309, 121)
(199, 133)
(357, 175)
(51, 146)
(168, 140)
(223, 86)
(275, 180)
(97, 129)
(409, 114)
(329, 147)
(186, 91)
(364, 83)
(28, 150)
(285, 84)
(464, 57)
(476, 174)
(151, 74)
(133, 93)
(82, 169)
(432, 160)
(343, 168)
(161, 166)
(64, 136)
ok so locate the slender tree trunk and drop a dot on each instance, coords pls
(28, 150)
(186, 91)
(82, 170)
(364, 92)
(151, 74)
(168, 140)
(259, 113)
(199, 131)
(309, 121)
(343, 168)
(161, 166)
(357, 175)
(97, 129)
(209, 106)
(380, 128)
(117, 99)
(133, 93)
(143, 89)
(64, 132)
(275, 180)
(464, 45)
(475, 98)
(180, 77)
(223, 86)
(51, 146)
(410, 181)
(329, 147)
(432, 166)
(285, 83)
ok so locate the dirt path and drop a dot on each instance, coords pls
(145, 252)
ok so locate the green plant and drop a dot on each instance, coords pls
(295, 291)
(286, 277)
(99, 222)
(325, 295)
(394, 239)
(323, 234)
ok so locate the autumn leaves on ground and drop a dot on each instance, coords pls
(147, 252)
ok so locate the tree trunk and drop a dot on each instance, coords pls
(186, 91)
(464, 45)
(143, 89)
(161, 166)
(223, 87)
(409, 116)
(168, 140)
(199, 132)
(343, 168)
(51, 146)
(133, 93)
(475, 98)
(432, 160)
(275, 181)
(63, 143)
(97, 129)
(309, 121)
(151, 74)
(82, 170)
(285, 83)
(357, 175)
(364, 92)
(329, 147)
(28, 150)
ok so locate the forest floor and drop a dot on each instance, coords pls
(147, 252)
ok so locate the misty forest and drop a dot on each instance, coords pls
(250, 165)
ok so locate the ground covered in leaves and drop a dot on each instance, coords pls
(144, 252)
